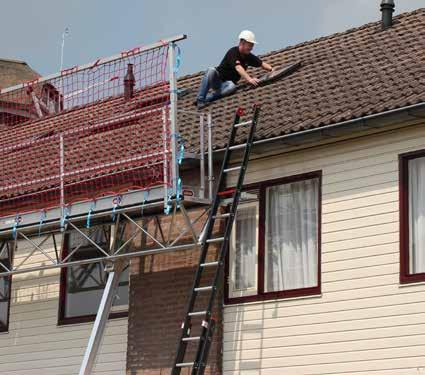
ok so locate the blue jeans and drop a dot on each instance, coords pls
(212, 80)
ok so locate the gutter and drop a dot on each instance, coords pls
(340, 125)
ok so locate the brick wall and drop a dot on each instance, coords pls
(159, 292)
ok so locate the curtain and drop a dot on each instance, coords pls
(291, 236)
(244, 265)
(417, 215)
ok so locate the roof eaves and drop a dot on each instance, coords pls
(338, 125)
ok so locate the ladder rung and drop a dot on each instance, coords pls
(222, 216)
(203, 288)
(218, 239)
(243, 123)
(226, 193)
(236, 147)
(197, 313)
(185, 364)
(231, 169)
(195, 338)
(210, 264)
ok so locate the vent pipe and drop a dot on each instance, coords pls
(387, 9)
(129, 82)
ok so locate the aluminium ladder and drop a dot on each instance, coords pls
(204, 339)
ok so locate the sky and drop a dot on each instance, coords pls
(31, 30)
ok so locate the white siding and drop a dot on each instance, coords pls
(36, 345)
(364, 322)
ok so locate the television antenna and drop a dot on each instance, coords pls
(65, 33)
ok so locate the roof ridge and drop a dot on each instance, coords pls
(13, 61)
(322, 38)
(345, 32)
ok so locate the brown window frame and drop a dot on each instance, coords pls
(62, 319)
(261, 294)
(405, 276)
(5, 328)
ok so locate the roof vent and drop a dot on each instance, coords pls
(387, 9)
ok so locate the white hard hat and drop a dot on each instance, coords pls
(248, 36)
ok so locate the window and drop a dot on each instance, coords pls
(412, 217)
(275, 244)
(82, 285)
(243, 258)
(5, 286)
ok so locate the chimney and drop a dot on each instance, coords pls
(129, 82)
(387, 9)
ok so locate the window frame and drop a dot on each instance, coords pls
(405, 276)
(261, 294)
(247, 292)
(5, 328)
(62, 319)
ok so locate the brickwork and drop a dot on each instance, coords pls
(159, 292)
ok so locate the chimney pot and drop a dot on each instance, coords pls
(129, 82)
(387, 9)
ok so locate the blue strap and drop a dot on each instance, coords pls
(65, 216)
(167, 208)
(179, 192)
(92, 206)
(42, 218)
(178, 59)
(116, 201)
(181, 154)
(15, 226)
(113, 211)
(145, 199)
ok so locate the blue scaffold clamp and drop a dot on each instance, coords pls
(89, 214)
(43, 216)
(116, 203)
(18, 219)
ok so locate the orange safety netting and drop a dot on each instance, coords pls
(86, 132)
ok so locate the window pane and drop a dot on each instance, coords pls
(5, 290)
(291, 236)
(85, 283)
(244, 245)
(416, 215)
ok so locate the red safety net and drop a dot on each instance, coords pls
(87, 132)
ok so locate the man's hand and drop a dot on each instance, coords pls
(267, 67)
(253, 81)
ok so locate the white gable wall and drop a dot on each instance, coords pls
(364, 322)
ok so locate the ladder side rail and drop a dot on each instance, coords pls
(181, 349)
(202, 350)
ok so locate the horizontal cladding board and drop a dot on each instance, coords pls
(364, 320)
(35, 343)
(332, 340)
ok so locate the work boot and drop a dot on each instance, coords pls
(201, 104)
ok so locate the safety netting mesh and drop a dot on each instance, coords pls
(87, 132)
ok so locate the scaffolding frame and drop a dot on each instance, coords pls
(132, 208)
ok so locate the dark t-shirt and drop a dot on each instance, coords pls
(227, 68)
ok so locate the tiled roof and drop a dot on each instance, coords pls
(344, 76)
(13, 72)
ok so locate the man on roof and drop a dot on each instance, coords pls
(224, 78)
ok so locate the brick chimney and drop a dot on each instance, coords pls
(129, 83)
